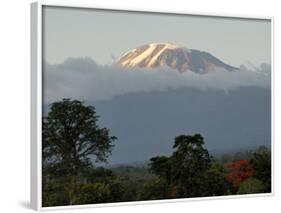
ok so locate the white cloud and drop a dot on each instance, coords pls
(83, 79)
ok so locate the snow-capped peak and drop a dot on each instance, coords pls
(153, 49)
(166, 45)
(172, 55)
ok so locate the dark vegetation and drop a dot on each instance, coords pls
(73, 144)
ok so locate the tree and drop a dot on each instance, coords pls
(239, 171)
(100, 185)
(190, 162)
(189, 172)
(250, 186)
(53, 190)
(261, 162)
(90, 193)
(105, 176)
(186, 170)
(161, 166)
(154, 189)
(215, 180)
(72, 139)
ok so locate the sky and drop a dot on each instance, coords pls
(105, 35)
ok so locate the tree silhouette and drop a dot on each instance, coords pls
(161, 166)
(261, 162)
(72, 139)
(186, 171)
(190, 164)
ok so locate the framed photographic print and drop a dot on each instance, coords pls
(133, 106)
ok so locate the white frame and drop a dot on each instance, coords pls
(36, 102)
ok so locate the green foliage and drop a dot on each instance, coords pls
(98, 174)
(93, 193)
(161, 166)
(134, 179)
(154, 189)
(215, 180)
(261, 162)
(190, 162)
(53, 191)
(251, 186)
(71, 138)
(71, 135)
(190, 156)
(117, 189)
(114, 183)
(189, 172)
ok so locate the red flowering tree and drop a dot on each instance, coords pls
(238, 171)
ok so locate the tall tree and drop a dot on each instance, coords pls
(188, 170)
(161, 166)
(72, 139)
(190, 163)
(261, 162)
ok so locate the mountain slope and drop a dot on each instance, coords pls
(174, 56)
(147, 123)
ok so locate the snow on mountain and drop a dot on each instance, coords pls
(177, 57)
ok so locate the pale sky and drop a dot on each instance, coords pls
(103, 35)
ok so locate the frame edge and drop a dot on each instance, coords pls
(36, 62)
(34, 158)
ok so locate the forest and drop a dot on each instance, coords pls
(74, 145)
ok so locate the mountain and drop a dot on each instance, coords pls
(174, 56)
(146, 123)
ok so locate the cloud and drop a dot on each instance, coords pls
(83, 79)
